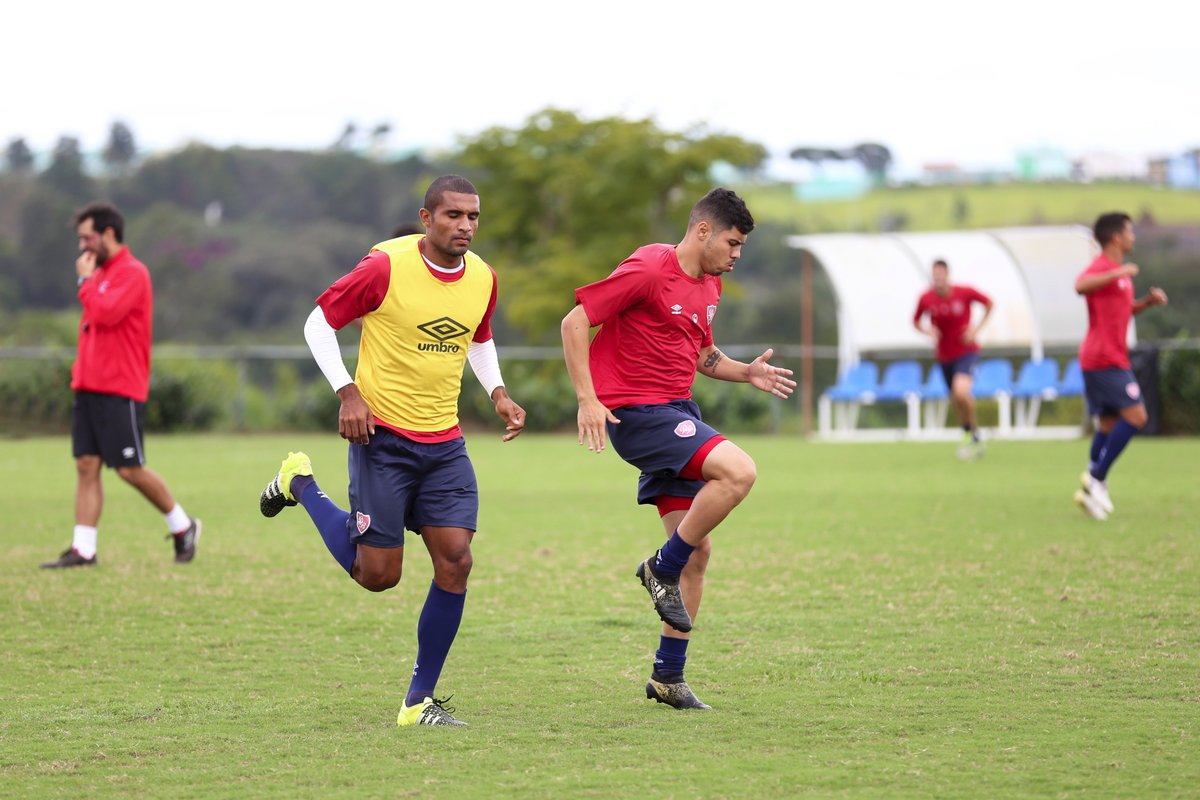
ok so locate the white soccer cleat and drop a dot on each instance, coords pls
(1089, 505)
(1098, 489)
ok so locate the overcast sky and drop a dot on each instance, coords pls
(964, 82)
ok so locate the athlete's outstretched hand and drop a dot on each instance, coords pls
(512, 414)
(592, 416)
(770, 379)
(356, 423)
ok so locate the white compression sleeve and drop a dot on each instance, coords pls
(485, 364)
(322, 341)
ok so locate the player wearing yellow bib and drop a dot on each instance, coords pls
(426, 303)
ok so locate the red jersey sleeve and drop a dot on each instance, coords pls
(628, 285)
(358, 292)
(484, 332)
(921, 309)
(977, 296)
(108, 299)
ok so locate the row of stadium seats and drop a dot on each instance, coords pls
(904, 381)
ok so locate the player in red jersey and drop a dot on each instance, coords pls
(949, 308)
(1113, 394)
(111, 381)
(655, 313)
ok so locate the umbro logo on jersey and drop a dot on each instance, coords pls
(442, 329)
(677, 309)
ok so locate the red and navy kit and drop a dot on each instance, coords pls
(392, 349)
(115, 329)
(654, 319)
(951, 315)
(1110, 308)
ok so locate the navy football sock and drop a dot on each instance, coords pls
(332, 522)
(670, 659)
(673, 557)
(436, 629)
(1118, 437)
(1098, 441)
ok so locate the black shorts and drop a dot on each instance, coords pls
(108, 426)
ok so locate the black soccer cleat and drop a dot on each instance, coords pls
(70, 558)
(185, 543)
(668, 602)
(676, 695)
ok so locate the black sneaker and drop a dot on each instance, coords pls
(185, 543)
(665, 594)
(70, 558)
(676, 695)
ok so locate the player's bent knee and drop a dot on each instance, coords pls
(1136, 416)
(130, 474)
(88, 466)
(377, 581)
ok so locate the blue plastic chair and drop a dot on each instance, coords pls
(935, 387)
(995, 376)
(1071, 383)
(1037, 379)
(900, 379)
(859, 381)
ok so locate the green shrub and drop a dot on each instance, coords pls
(1179, 392)
(35, 396)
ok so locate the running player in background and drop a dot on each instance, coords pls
(949, 309)
(1113, 395)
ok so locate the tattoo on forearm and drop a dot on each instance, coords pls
(714, 357)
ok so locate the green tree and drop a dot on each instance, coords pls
(565, 200)
(18, 158)
(66, 174)
(121, 149)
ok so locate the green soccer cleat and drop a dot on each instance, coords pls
(278, 494)
(428, 712)
(676, 695)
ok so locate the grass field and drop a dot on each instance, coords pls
(880, 621)
(999, 205)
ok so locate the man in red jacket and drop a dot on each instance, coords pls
(111, 380)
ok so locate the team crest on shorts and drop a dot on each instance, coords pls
(1133, 390)
(362, 522)
(685, 429)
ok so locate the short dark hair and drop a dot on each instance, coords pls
(941, 262)
(103, 215)
(447, 183)
(406, 229)
(724, 209)
(1109, 225)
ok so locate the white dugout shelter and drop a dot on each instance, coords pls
(1028, 272)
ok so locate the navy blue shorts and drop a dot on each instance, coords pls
(396, 483)
(1110, 390)
(660, 440)
(108, 426)
(965, 364)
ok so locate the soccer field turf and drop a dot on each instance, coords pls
(879, 621)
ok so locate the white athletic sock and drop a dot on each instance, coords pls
(85, 540)
(177, 519)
